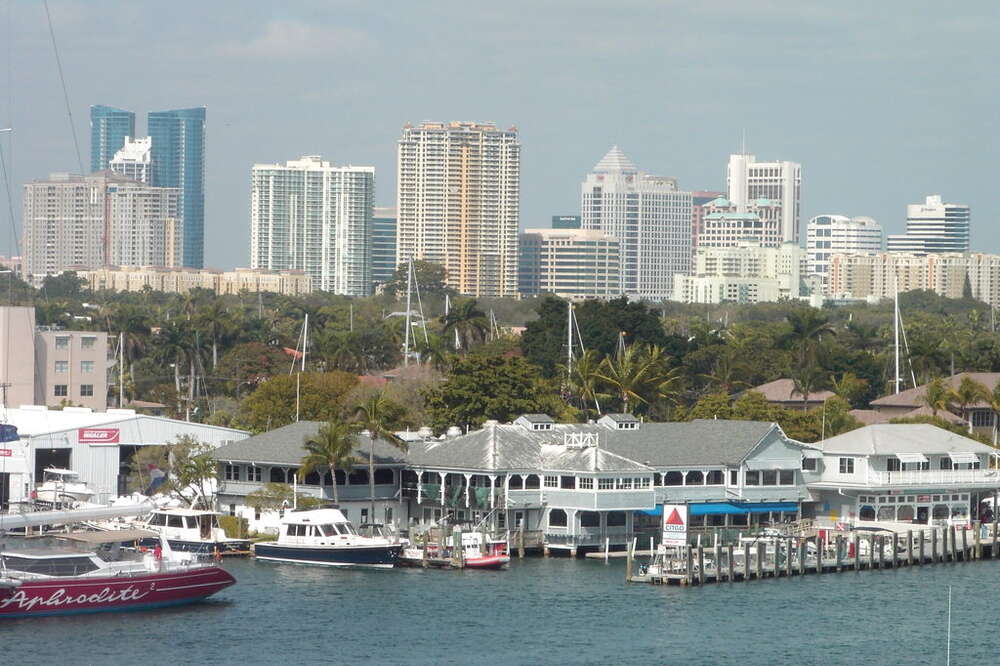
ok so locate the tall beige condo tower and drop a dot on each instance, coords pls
(458, 203)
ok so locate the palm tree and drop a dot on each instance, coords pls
(584, 381)
(727, 369)
(808, 379)
(433, 352)
(470, 322)
(808, 327)
(331, 447)
(631, 375)
(938, 396)
(175, 344)
(994, 400)
(849, 387)
(216, 321)
(970, 392)
(373, 416)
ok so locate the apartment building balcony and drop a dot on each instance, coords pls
(933, 478)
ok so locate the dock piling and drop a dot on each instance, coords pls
(788, 557)
(746, 562)
(965, 544)
(701, 565)
(837, 555)
(857, 552)
(729, 553)
(802, 557)
(718, 559)
(909, 548)
(760, 561)
(923, 537)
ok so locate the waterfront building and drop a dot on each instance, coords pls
(109, 128)
(133, 159)
(99, 445)
(779, 183)
(383, 245)
(89, 221)
(648, 215)
(746, 273)
(911, 473)
(566, 222)
(458, 203)
(877, 276)
(567, 486)
(830, 234)
(313, 216)
(183, 280)
(570, 263)
(178, 160)
(933, 226)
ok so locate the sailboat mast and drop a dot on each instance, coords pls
(569, 340)
(121, 369)
(406, 333)
(895, 326)
(305, 341)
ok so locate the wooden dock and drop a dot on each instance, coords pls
(778, 557)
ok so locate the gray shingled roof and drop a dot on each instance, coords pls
(284, 446)
(893, 438)
(693, 443)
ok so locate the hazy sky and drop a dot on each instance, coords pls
(882, 102)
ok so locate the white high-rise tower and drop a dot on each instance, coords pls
(933, 226)
(458, 203)
(751, 182)
(312, 216)
(650, 218)
(134, 158)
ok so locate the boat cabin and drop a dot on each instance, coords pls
(316, 526)
(58, 474)
(181, 523)
(54, 565)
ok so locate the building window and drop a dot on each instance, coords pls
(769, 477)
(624, 484)
(605, 484)
(551, 481)
(945, 463)
(231, 472)
(694, 478)
(557, 518)
(616, 519)
(86, 366)
(734, 477)
(982, 418)
(585, 483)
(59, 390)
(673, 479)
(88, 342)
(590, 519)
(751, 478)
(893, 465)
(61, 367)
(62, 342)
(254, 473)
(809, 464)
(86, 390)
(714, 478)
(786, 477)
(847, 465)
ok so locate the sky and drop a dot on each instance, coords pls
(883, 103)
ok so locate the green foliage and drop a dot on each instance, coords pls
(429, 278)
(64, 286)
(234, 526)
(478, 388)
(272, 404)
(331, 448)
(276, 496)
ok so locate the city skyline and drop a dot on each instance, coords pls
(850, 154)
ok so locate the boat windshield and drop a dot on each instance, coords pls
(346, 528)
(328, 530)
(69, 565)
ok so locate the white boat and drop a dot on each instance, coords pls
(194, 531)
(62, 486)
(325, 536)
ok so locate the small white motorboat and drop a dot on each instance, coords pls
(62, 486)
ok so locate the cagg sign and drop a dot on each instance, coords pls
(98, 435)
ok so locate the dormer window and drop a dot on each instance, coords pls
(535, 422)
(619, 422)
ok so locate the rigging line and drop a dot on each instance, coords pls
(62, 80)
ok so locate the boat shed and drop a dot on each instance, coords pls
(96, 445)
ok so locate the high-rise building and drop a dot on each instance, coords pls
(723, 225)
(458, 203)
(650, 218)
(746, 273)
(933, 226)
(750, 182)
(133, 160)
(383, 245)
(570, 263)
(565, 221)
(109, 128)
(312, 216)
(178, 160)
(698, 202)
(103, 218)
(830, 234)
(879, 275)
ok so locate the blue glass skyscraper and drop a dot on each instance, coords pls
(178, 160)
(108, 128)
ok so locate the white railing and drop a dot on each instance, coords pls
(934, 477)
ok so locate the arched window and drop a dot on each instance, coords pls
(940, 512)
(673, 479)
(532, 482)
(904, 513)
(714, 478)
(557, 518)
(312, 479)
(867, 513)
(694, 478)
(358, 477)
(516, 482)
(384, 476)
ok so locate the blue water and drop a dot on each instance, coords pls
(539, 612)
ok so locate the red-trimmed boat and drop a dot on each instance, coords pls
(68, 583)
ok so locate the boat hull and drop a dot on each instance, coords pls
(489, 562)
(62, 596)
(379, 557)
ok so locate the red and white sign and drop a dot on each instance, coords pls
(6, 453)
(98, 435)
(675, 525)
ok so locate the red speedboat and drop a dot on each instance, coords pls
(69, 583)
